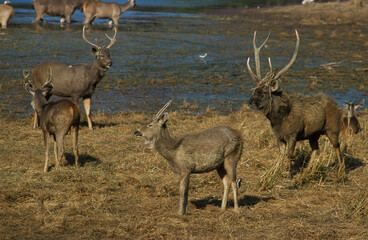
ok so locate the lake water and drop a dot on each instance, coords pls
(156, 58)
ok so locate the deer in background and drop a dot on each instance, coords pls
(294, 117)
(6, 12)
(61, 8)
(105, 10)
(56, 119)
(218, 148)
(351, 124)
(78, 80)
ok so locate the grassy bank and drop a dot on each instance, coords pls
(125, 191)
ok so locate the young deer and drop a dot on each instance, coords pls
(218, 148)
(350, 122)
(56, 119)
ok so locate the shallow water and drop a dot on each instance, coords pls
(156, 58)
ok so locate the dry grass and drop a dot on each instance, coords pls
(124, 191)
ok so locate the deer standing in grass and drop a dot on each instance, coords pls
(295, 117)
(56, 119)
(105, 10)
(351, 124)
(76, 80)
(6, 12)
(218, 148)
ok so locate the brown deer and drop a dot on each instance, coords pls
(294, 117)
(351, 124)
(56, 119)
(76, 80)
(61, 8)
(105, 10)
(6, 12)
(218, 148)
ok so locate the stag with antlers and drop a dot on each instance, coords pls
(218, 148)
(76, 80)
(294, 117)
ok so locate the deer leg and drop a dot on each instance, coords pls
(87, 108)
(183, 192)
(47, 143)
(35, 120)
(290, 148)
(55, 151)
(60, 147)
(222, 174)
(313, 142)
(334, 139)
(69, 18)
(74, 131)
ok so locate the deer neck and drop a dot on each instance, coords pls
(165, 144)
(97, 69)
(124, 7)
(279, 107)
(38, 104)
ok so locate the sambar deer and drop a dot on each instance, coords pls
(351, 124)
(295, 117)
(6, 12)
(105, 10)
(76, 80)
(56, 119)
(218, 148)
(60, 8)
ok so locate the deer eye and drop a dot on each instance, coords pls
(150, 125)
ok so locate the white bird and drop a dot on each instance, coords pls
(203, 56)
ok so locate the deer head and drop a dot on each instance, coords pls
(102, 53)
(352, 106)
(269, 84)
(151, 130)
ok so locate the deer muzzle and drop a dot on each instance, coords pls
(138, 133)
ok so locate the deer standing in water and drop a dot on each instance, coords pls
(56, 119)
(218, 148)
(6, 12)
(295, 117)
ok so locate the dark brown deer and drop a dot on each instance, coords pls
(295, 117)
(56, 119)
(6, 12)
(77, 80)
(60, 8)
(105, 10)
(351, 124)
(218, 148)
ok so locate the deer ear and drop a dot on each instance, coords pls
(163, 119)
(29, 88)
(274, 85)
(94, 51)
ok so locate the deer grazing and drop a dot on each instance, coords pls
(61, 8)
(56, 119)
(6, 12)
(78, 80)
(105, 10)
(218, 148)
(351, 124)
(294, 117)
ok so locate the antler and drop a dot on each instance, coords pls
(26, 74)
(85, 39)
(111, 39)
(293, 59)
(162, 110)
(48, 82)
(257, 78)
